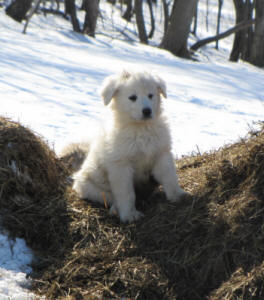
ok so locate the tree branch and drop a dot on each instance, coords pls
(238, 27)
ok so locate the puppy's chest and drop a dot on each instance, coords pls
(142, 147)
(142, 153)
(138, 146)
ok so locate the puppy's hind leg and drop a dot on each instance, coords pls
(88, 190)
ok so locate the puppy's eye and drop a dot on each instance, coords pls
(133, 98)
(150, 96)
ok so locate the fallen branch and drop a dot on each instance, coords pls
(240, 26)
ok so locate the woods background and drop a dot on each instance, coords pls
(179, 21)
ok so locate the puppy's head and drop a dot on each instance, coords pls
(135, 96)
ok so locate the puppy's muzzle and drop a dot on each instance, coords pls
(147, 113)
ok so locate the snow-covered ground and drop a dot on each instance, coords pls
(49, 80)
(15, 258)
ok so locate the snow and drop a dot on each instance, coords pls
(50, 77)
(14, 260)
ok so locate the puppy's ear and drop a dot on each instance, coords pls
(125, 75)
(161, 84)
(111, 85)
(109, 89)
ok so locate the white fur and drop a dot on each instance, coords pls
(133, 147)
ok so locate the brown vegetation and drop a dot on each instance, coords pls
(211, 247)
(33, 188)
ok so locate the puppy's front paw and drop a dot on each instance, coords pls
(180, 196)
(126, 216)
(131, 216)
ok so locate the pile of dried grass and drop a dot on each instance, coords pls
(210, 248)
(33, 188)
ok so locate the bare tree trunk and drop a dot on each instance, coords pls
(83, 5)
(175, 39)
(207, 15)
(140, 22)
(129, 11)
(166, 15)
(220, 5)
(151, 33)
(70, 9)
(195, 20)
(257, 48)
(92, 10)
(31, 12)
(240, 36)
(246, 50)
(18, 9)
(243, 39)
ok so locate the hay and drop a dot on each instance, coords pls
(242, 285)
(32, 188)
(209, 248)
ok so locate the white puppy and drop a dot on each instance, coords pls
(133, 147)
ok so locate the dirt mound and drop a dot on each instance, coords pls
(209, 248)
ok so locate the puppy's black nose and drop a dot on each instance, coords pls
(147, 112)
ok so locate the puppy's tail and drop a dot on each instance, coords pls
(74, 154)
